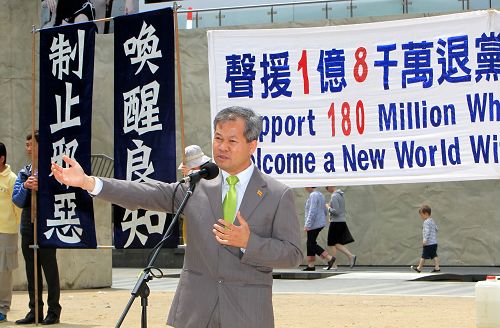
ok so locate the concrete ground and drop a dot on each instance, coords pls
(362, 297)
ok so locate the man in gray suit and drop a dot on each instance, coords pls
(227, 278)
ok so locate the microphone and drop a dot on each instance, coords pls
(207, 171)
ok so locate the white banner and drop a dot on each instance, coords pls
(414, 100)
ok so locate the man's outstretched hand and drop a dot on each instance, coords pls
(73, 175)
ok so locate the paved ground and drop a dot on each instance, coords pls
(365, 297)
(387, 281)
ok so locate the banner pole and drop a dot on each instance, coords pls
(179, 78)
(34, 170)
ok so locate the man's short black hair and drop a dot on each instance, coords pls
(30, 136)
(3, 152)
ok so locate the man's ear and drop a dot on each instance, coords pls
(253, 146)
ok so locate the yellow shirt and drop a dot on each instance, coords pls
(10, 214)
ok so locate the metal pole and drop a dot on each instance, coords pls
(34, 169)
(179, 78)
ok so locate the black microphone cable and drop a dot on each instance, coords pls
(160, 273)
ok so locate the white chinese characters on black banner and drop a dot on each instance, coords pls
(66, 78)
(144, 119)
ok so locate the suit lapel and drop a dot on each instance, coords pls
(214, 194)
(255, 193)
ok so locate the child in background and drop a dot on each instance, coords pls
(429, 240)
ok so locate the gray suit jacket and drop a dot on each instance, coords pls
(222, 278)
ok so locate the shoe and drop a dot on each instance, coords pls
(3, 317)
(50, 319)
(28, 319)
(353, 261)
(436, 270)
(330, 263)
(414, 268)
(308, 268)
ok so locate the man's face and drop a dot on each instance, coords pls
(29, 147)
(231, 149)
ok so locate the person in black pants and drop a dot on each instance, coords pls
(26, 182)
(314, 222)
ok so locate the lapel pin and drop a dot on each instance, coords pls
(259, 193)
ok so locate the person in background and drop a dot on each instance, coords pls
(194, 158)
(429, 240)
(338, 232)
(74, 11)
(10, 216)
(48, 13)
(26, 182)
(102, 10)
(315, 221)
(130, 7)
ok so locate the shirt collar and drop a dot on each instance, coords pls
(243, 177)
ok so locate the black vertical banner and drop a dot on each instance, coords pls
(65, 214)
(144, 119)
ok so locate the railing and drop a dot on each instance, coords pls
(102, 165)
(317, 10)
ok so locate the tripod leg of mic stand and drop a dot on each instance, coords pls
(141, 287)
(144, 304)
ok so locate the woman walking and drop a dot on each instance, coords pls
(315, 221)
(338, 232)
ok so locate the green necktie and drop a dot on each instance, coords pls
(231, 199)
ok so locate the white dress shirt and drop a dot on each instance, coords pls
(97, 187)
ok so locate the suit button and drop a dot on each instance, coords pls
(221, 281)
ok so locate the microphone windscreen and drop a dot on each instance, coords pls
(212, 170)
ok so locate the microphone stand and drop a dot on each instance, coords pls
(141, 287)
